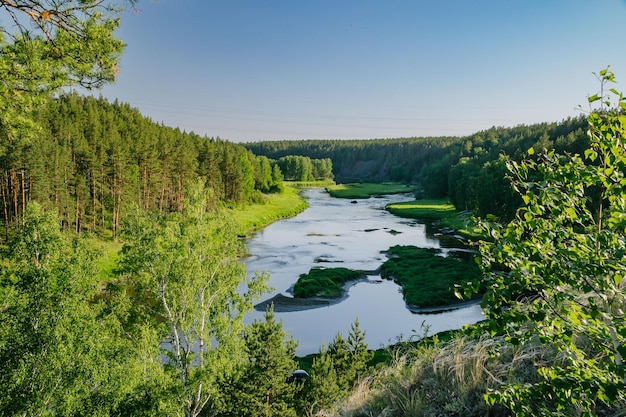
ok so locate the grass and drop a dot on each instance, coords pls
(252, 217)
(441, 211)
(324, 282)
(423, 209)
(310, 184)
(367, 190)
(442, 378)
(109, 250)
(427, 279)
(249, 219)
(435, 377)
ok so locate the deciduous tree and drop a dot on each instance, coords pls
(556, 272)
(63, 351)
(188, 265)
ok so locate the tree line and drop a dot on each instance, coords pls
(91, 161)
(468, 170)
(303, 168)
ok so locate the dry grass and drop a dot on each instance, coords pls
(444, 379)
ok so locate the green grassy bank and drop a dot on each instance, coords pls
(427, 279)
(367, 190)
(441, 211)
(253, 217)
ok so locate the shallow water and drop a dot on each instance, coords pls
(335, 232)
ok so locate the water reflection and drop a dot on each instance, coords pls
(335, 232)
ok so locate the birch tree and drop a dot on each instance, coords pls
(196, 289)
(555, 273)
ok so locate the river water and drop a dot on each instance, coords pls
(335, 232)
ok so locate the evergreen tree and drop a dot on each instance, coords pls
(323, 389)
(262, 388)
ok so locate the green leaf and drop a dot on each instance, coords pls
(591, 154)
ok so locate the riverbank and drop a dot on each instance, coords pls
(367, 190)
(253, 217)
(441, 212)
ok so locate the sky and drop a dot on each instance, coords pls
(362, 69)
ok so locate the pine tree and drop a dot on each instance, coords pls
(262, 388)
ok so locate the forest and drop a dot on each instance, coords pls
(160, 331)
(92, 161)
(468, 170)
(102, 169)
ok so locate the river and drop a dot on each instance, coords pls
(336, 232)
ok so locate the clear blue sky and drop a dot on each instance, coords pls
(322, 69)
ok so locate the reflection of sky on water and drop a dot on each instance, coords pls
(343, 234)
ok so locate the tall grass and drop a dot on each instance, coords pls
(443, 379)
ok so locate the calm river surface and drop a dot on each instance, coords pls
(335, 232)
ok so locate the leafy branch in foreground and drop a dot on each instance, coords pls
(555, 273)
(47, 45)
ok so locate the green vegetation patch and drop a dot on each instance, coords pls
(310, 184)
(324, 282)
(427, 279)
(440, 210)
(274, 207)
(366, 190)
(107, 263)
(423, 209)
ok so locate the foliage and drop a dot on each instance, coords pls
(305, 169)
(189, 264)
(63, 350)
(260, 387)
(47, 45)
(324, 282)
(336, 371)
(467, 170)
(427, 279)
(92, 161)
(367, 190)
(556, 270)
(400, 160)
